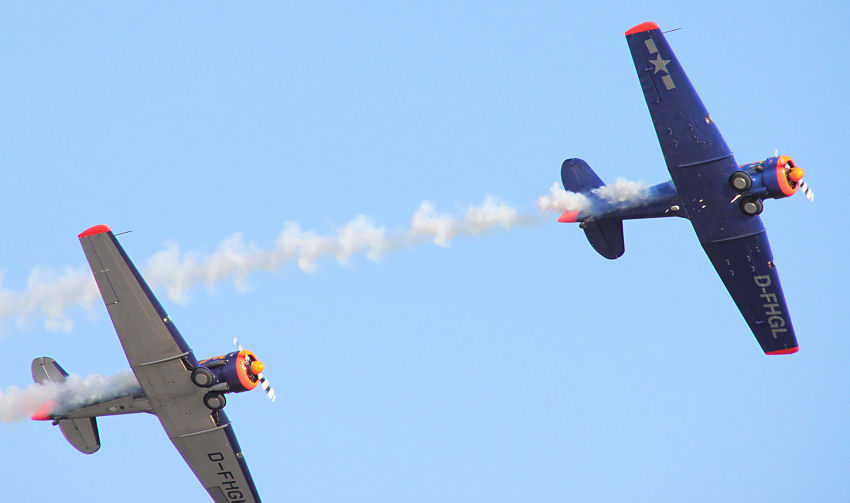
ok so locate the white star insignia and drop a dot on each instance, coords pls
(660, 64)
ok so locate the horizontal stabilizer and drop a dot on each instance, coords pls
(45, 370)
(81, 433)
(577, 176)
(606, 237)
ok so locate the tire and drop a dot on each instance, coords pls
(741, 181)
(751, 206)
(202, 377)
(214, 400)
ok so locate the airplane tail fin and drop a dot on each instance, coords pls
(606, 236)
(577, 176)
(81, 433)
(46, 370)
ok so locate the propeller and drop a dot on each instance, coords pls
(795, 176)
(806, 190)
(257, 368)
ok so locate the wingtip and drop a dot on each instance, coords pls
(97, 229)
(649, 25)
(786, 351)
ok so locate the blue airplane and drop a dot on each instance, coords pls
(720, 198)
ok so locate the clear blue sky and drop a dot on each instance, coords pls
(513, 366)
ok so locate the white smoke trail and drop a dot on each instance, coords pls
(620, 192)
(18, 404)
(236, 260)
(441, 229)
(177, 272)
(51, 295)
(623, 191)
(559, 200)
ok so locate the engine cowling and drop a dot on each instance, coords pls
(775, 177)
(234, 372)
(782, 176)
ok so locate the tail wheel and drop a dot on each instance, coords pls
(214, 400)
(741, 181)
(751, 206)
(202, 377)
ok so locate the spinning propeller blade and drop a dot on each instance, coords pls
(807, 191)
(263, 381)
(795, 175)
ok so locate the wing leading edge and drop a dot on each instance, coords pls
(162, 363)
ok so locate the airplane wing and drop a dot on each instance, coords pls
(215, 457)
(699, 161)
(687, 134)
(746, 267)
(162, 362)
(700, 164)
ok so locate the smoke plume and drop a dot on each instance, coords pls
(18, 404)
(50, 295)
(623, 191)
(176, 272)
(620, 192)
(560, 200)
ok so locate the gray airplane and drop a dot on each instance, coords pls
(186, 395)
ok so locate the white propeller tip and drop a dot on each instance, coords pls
(807, 191)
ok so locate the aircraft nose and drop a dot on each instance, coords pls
(797, 174)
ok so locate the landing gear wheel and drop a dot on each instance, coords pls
(741, 181)
(202, 377)
(751, 207)
(214, 400)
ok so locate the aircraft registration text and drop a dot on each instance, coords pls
(228, 484)
(775, 317)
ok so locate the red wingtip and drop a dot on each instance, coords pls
(43, 414)
(568, 216)
(97, 229)
(783, 351)
(649, 25)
